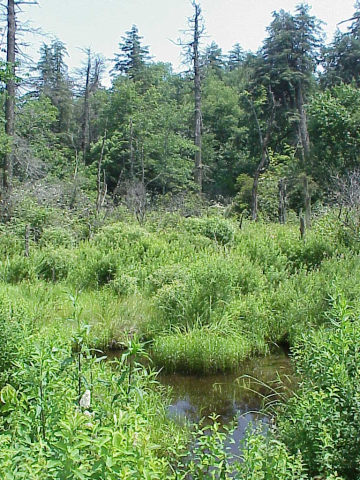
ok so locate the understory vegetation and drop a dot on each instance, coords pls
(196, 295)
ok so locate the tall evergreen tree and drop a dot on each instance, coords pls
(213, 59)
(291, 53)
(236, 57)
(341, 57)
(54, 82)
(133, 55)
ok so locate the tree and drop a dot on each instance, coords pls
(341, 58)
(53, 82)
(90, 74)
(224, 136)
(213, 60)
(192, 54)
(264, 140)
(10, 92)
(236, 57)
(291, 56)
(133, 55)
(334, 123)
(13, 7)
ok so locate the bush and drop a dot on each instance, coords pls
(54, 265)
(17, 269)
(202, 291)
(215, 228)
(94, 268)
(57, 237)
(322, 420)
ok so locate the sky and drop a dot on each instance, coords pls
(101, 23)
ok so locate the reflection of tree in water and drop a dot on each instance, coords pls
(227, 395)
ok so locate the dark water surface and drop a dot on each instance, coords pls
(194, 397)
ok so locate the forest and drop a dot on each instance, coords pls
(180, 224)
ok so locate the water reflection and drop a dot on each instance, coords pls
(194, 397)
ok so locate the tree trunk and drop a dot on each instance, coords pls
(101, 188)
(85, 119)
(302, 228)
(254, 193)
(131, 149)
(282, 201)
(303, 130)
(10, 93)
(307, 201)
(264, 143)
(197, 90)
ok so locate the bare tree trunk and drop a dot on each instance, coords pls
(101, 189)
(303, 130)
(264, 143)
(307, 201)
(131, 149)
(282, 201)
(10, 93)
(302, 228)
(27, 240)
(74, 194)
(198, 175)
(254, 193)
(85, 119)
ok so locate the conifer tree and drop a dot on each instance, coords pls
(133, 55)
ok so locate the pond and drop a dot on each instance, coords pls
(231, 395)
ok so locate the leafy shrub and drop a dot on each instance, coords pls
(94, 268)
(10, 243)
(203, 290)
(124, 284)
(267, 458)
(322, 420)
(54, 265)
(57, 237)
(215, 228)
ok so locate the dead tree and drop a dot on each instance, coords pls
(302, 228)
(307, 201)
(93, 69)
(10, 93)
(192, 49)
(198, 174)
(12, 7)
(303, 128)
(264, 146)
(101, 186)
(282, 201)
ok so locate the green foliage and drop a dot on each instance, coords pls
(201, 350)
(333, 117)
(215, 228)
(267, 458)
(321, 421)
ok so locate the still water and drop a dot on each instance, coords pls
(235, 395)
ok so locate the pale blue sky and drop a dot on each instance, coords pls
(101, 23)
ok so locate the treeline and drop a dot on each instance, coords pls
(282, 119)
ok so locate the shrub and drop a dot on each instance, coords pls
(322, 420)
(57, 237)
(215, 228)
(203, 290)
(54, 265)
(18, 268)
